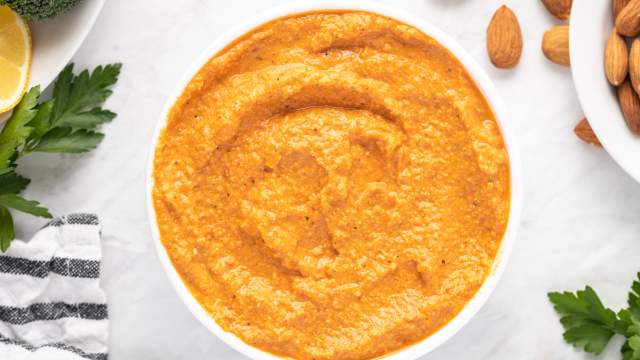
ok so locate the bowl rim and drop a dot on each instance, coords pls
(481, 80)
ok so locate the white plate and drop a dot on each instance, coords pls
(591, 24)
(484, 84)
(56, 40)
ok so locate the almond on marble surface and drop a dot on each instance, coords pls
(504, 39)
(559, 8)
(555, 44)
(585, 133)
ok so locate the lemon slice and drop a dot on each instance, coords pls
(15, 58)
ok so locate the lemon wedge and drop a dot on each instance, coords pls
(15, 58)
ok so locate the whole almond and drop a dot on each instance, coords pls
(504, 39)
(558, 8)
(634, 65)
(616, 58)
(630, 106)
(628, 20)
(585, 133)
(618, 5)
(555, 44)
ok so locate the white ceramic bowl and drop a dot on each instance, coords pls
(483, 83)
(591, 24)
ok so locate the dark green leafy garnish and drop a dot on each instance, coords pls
(66, 123)
(590, 326)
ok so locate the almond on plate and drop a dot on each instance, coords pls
(634, 65)
(555, 44)
(504, 39)
(628, 20)
(559, 8)
(630, 105)
(618, 5)
(616, 58)
(585, 133)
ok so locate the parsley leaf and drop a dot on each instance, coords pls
(590, 325)
(88, 119)
(587, 323)
(631, 348)
(16, 131)
(634, 298)
(64, 140)
(41, 122)
(6, 229)
(66, 123)
(12, 183)
(77, 101)
(19, 203)
(61, 90)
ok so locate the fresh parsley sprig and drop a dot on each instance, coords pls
(66, 123)
(590, 325)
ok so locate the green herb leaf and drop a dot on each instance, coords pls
(64, 124)
(631, 330)
(65, 140)
(16, 131)
(6, 170)
(42, 121)
(61, 91)
(588, 324)
(19, 203)
(86, 91)
(12, 183)
(7, 233)
(87, 119)
(631, 348)
(634, 298)
(623, 322)
(593, 338)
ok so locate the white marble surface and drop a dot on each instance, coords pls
(580, 222)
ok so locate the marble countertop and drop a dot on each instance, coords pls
(580, 221)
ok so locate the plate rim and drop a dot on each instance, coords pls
(584, 75)
(70, 51)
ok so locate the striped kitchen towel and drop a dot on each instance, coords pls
(51, 303)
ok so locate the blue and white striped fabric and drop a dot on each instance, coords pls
(51, 303)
